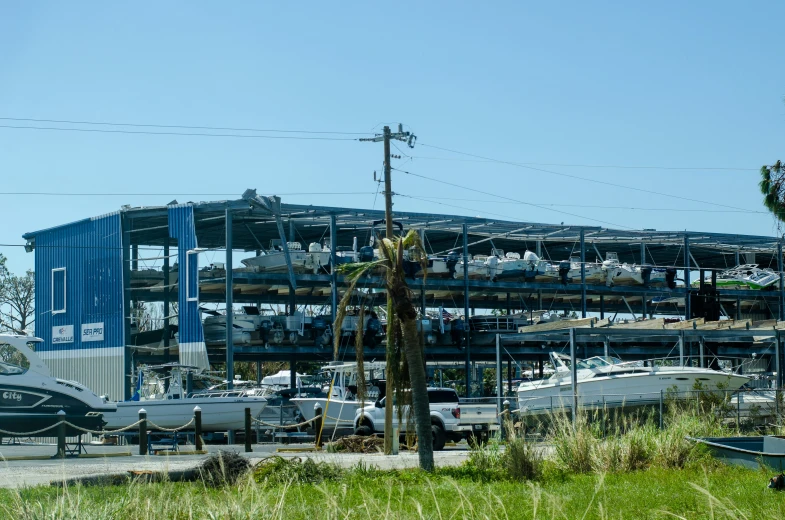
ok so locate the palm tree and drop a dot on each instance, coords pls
(772, 185)
(405, 320)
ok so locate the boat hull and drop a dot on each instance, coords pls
(613, 391)
(218, 413)
(23, 424)
(748, 452)
(339, 413)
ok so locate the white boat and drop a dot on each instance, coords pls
(243, 325)
(172, 408)
(341, 403)
(477, 268)
(273, 260)
(441, 266)
(535, 267)
(751, 404)
(610, 382)
(747, 276)
(501, 265)
(618, 273)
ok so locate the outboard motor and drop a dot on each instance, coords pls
(670, 277)
(564, 270)
(372, 329)
(452, 261)
(264, 330)
(646, 274)
(320, 331)
(366, 254)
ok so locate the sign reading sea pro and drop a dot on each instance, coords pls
(63, 334)
(92, 332)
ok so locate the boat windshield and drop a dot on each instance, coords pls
(598, 362)
(7, 369)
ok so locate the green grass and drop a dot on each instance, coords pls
(695, 492)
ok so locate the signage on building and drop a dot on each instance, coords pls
(92, 332)
(63, 334)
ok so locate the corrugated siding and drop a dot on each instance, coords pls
(91, 253)
(191, 336)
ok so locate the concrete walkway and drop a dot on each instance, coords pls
(106, 460)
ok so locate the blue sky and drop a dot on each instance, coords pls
(593, 83)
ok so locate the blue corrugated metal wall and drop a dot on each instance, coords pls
(91, 253)
(191, 336)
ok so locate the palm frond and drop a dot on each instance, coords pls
(358, 269)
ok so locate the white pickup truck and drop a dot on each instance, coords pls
(451, 419)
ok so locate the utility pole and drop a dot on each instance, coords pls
(410, 139)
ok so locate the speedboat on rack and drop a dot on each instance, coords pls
(747, 276)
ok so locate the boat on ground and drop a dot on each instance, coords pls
(340, 402)
(749, 452)
(168, 405)
(604, 381)
(30, 397)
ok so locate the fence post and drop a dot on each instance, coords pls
(198, 428)
(661, 405)
(60, 435)
(738, 411)
(317, 424)
(248, 448)
(143, 432)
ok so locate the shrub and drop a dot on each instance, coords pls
(277, 470)
(223, 468)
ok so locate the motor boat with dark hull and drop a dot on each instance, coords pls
(30, 397)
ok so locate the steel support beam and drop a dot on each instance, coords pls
(127, 356)
(574, 371)
(681, 349)
(229, 304)
(782, 282)
(687, 307)
(583, 273)
(467, 346)
(499, 391)
(167, 298)
(333, 273)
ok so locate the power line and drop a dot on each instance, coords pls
(615, 166)
(185, 134)
(513, 200)
(605, 183)
(185, 127)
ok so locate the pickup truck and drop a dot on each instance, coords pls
(451, 419)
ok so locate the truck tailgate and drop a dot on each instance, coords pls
(478, 413)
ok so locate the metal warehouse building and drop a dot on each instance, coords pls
(88, 272)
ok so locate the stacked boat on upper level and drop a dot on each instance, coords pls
(496, 266)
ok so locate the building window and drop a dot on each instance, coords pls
(58, 290)
(192, 276)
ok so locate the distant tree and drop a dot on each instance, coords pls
(17, 300)
(772, 185)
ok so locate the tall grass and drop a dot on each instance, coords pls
(363, 493)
